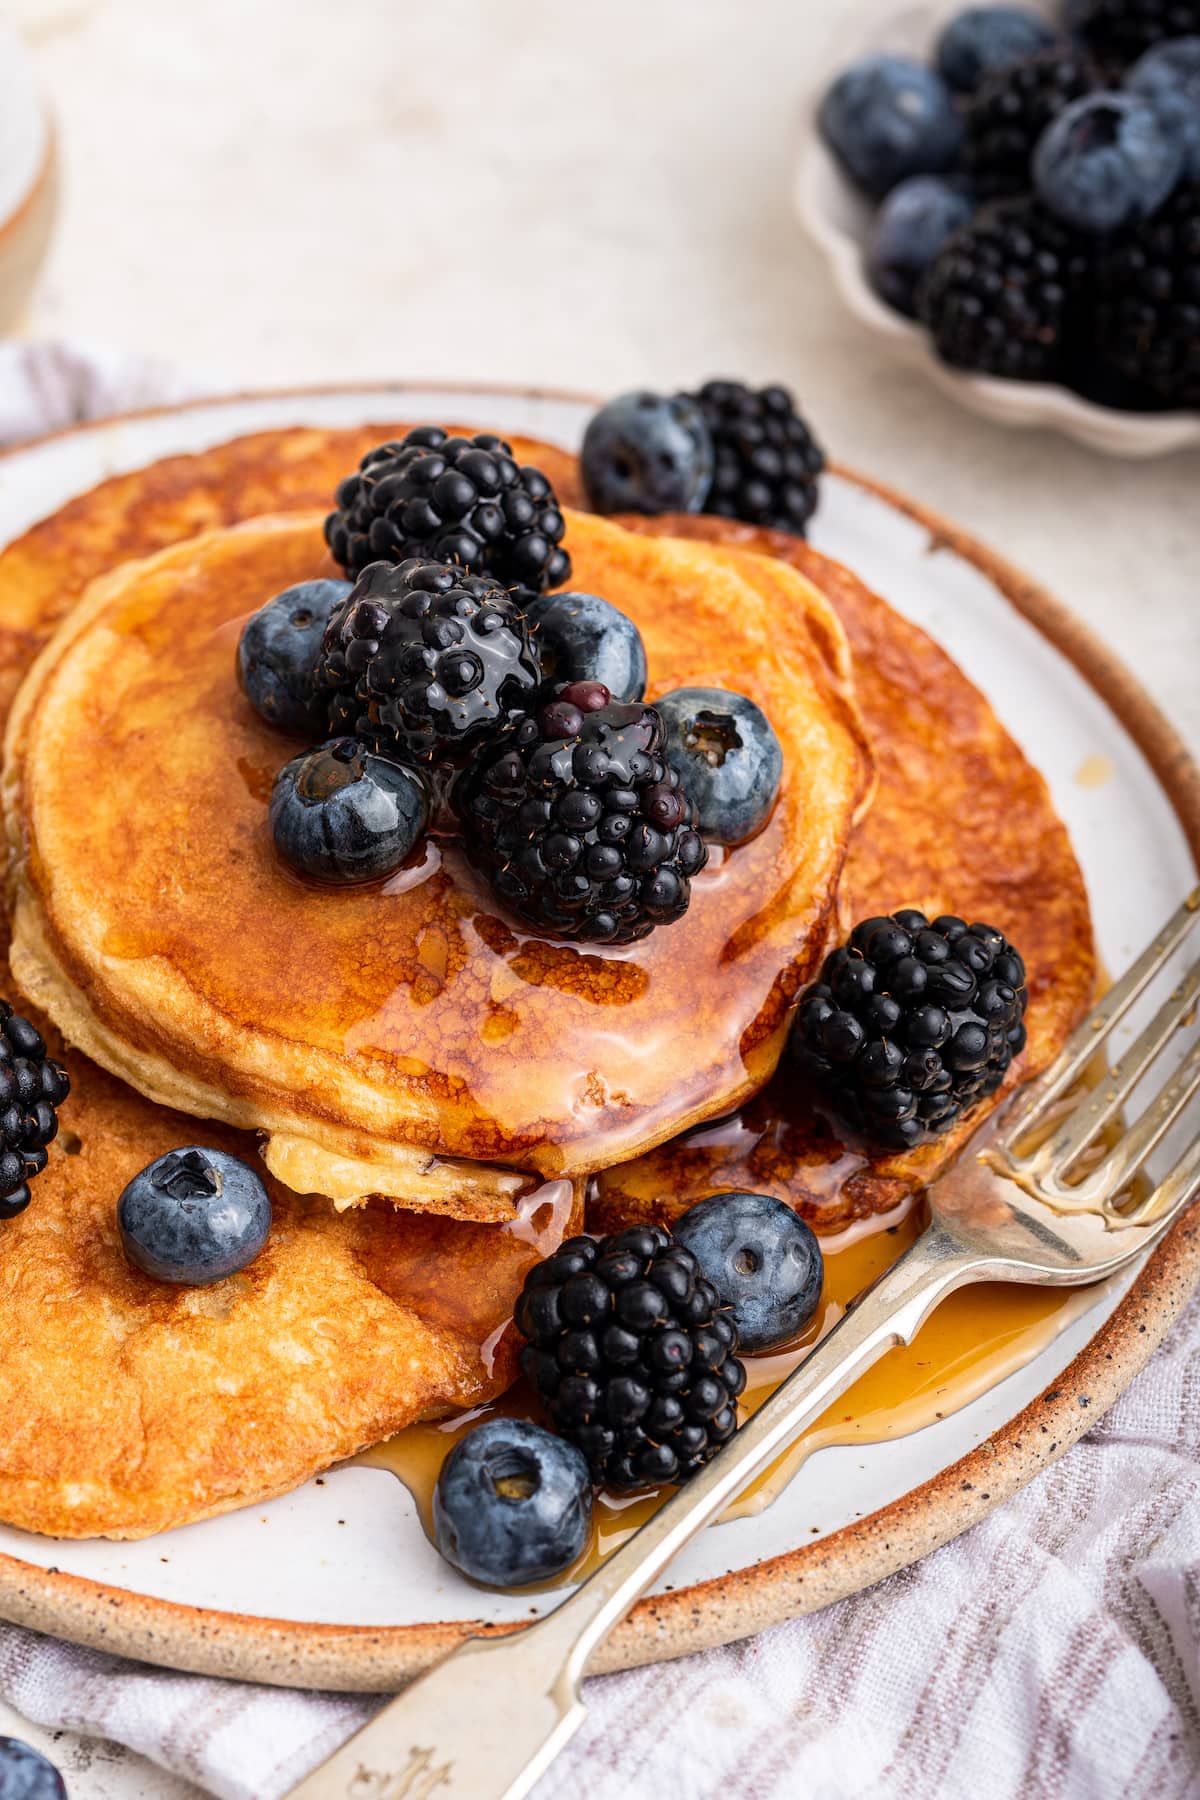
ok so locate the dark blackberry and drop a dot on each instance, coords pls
(766, 461)
(912, 1024)
(421, 660)
(32, 1088)
(1116, 32)
(1146, 306)
(454, 499)
(1008, 113)
(579, 822)
(1000, 297)
(632, 1355)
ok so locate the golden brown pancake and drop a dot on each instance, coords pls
(130, 1406)
(961, 822)
(382, 1037)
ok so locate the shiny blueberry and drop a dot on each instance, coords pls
(1106, 161)
(887, 117)
(25, 1774)
(277, 655)
(985, 38)
(580, 637)
(764, 1262)
(648, 453)
(194, 1216)
(513, 1504)
(1168, 78)
(910, 229)
(340, 814)
(729, 759)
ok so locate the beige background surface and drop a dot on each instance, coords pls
(275, 191)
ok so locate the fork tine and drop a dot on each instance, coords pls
(1179, 1185)
(1062, 1150)
(1127, 1156)
(1081, 1046)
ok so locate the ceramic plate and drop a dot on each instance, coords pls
(838, 220)
(335, 1584)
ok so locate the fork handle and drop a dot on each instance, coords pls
(488, 1720)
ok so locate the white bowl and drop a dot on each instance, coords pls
(837, 219)
(28, 181)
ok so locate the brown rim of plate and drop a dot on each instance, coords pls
(377, 1659)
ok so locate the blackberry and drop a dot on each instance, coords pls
(912, 1024)
(1146, 311)
(632, 1355)
(454, 499)
(1116, 32)
(1000, 297)
(766, 462)
(32, 1088)
(421, 660)
(579, 822)
(1008, 113)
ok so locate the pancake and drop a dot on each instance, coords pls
(384, 1038)
(130, 1406)
(961, 822)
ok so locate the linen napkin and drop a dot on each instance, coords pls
(1051, 1653)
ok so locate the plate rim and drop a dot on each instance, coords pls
(373, 1659)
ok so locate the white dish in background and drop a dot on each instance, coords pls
(28, 177)
(838, 219)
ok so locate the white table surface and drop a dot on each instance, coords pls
(275, 191)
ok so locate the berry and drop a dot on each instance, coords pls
(1168, 77)
(278, 652)
(454, 499)
(1146, 314)
(764, 1262)
(1117, 32)
(579, 823)
(513, 1504)
(1008, 114)
(25, 1774)
(886, 117)
(647, 453)
(911, 227)
(423, 661)
(32, 1088)
(1105, 162)
(999, 298)
(912, 1024)
(729, 759)
(766, 459)
(986, 38)
(632, 1355)
(340, 814)
(194, 1216)
(580, 637)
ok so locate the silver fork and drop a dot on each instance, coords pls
(486, 1722)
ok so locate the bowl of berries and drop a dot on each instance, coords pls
(1010, 195)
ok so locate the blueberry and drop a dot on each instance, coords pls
(580, 637)
(1106, 161)
(648, 453)
(887, 117)
(513, 1504)
(1168, 78)
(729, 760)
(985, 38)
(764, 1262)
(277, 654)
(194, 1216)
(910, 229)
(25, 1774)
(340, 814)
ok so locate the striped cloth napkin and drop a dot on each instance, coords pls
(1051, 1653)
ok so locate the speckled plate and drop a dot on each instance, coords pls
(335, 1585)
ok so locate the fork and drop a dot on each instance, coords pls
(488, 1720)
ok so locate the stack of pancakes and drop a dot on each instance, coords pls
(438, 1096)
